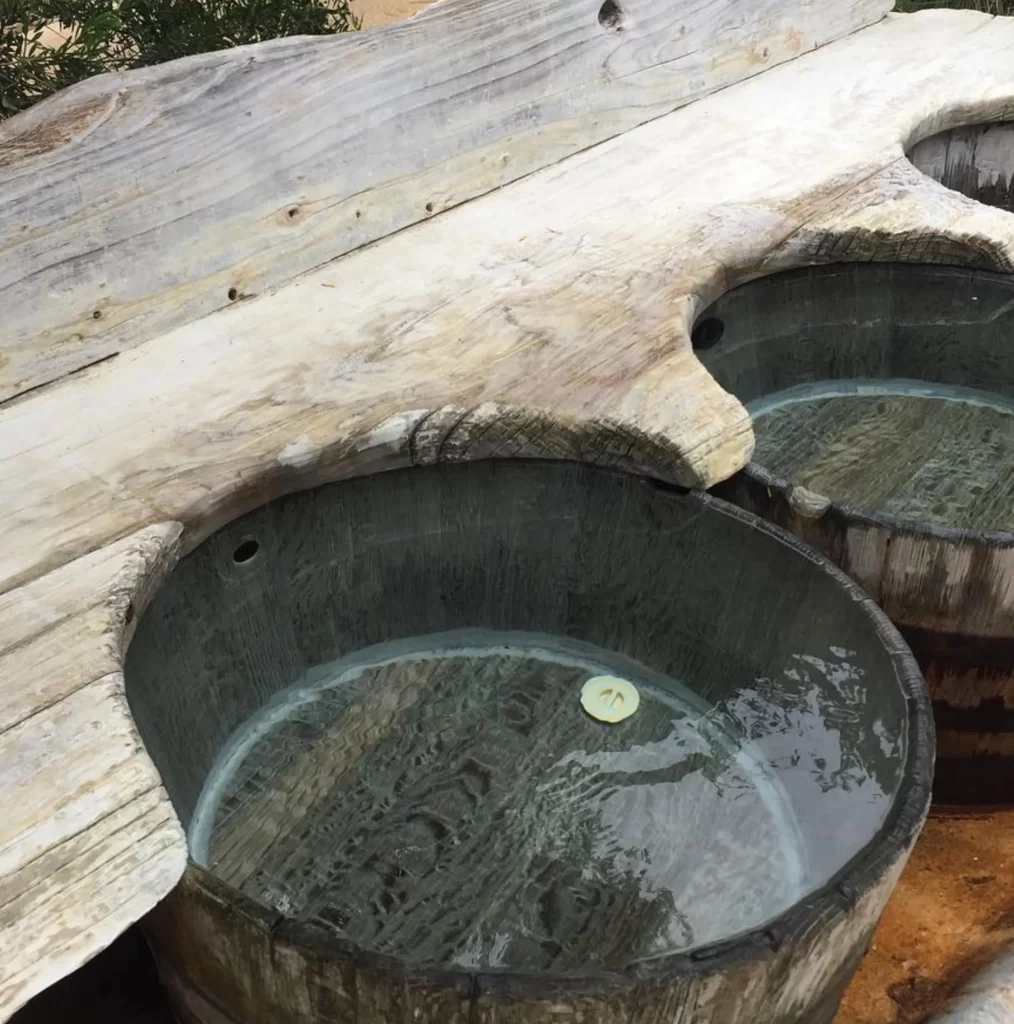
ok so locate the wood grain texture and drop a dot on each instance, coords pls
(548, 318)
(88, 836)
(133, 203)
(777, 985)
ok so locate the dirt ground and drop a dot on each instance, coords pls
(381, 12)
(952, 913)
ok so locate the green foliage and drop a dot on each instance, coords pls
(1005, 7)
(114, 35)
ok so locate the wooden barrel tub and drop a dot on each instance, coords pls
(976, 160)
(378, 708)
(883, 405)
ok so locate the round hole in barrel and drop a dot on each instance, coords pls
(507, 737)
(882, 398)
(975, 160)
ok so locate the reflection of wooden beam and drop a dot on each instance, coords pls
(548, 318)
(132, 204)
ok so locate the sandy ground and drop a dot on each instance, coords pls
(953, 912)
(382, 12)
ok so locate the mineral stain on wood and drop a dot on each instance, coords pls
(975, 160)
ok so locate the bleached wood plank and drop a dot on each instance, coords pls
(131, 204)
(88, 837)
(549, 318)
(564, 331)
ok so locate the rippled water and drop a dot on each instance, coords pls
(446, 799)
(936, 454)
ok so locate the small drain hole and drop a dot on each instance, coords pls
(611, 16)
(707, 333)
(246, 551)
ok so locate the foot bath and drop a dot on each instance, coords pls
(882, 398)
(468, 742)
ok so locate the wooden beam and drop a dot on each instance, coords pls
(133, 203)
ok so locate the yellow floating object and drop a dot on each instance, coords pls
(609, 698)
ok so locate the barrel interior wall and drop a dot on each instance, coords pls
(294, 585)
(877, 321)
(975, 160)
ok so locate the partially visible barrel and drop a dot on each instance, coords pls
(976, 160)
(522, 743)
(883, 404)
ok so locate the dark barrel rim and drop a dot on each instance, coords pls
(836, 897)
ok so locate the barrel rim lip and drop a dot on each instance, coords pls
(846, 509)
(837, 896)
(1000, 539)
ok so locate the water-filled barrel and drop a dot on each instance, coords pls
(510, 742)
(882, 398)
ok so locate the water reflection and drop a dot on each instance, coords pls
(446, 799)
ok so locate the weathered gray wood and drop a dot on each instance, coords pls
(87, 835)
(548, 318)
(134, 203)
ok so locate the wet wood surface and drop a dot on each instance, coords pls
(564, 333)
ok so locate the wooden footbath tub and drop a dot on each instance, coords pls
(398, 809)
(944, 574)
(329, 299)
(882, 402)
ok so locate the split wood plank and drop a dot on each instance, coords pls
(550, 318)
(133, 203)
(88, 837)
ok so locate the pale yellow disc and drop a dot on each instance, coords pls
(609, 698)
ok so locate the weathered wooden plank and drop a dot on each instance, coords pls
(113, 577)
(87, 835)
(549, 318)
(131, 204)
(564, 332)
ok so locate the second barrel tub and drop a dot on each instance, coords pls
(883, 404)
